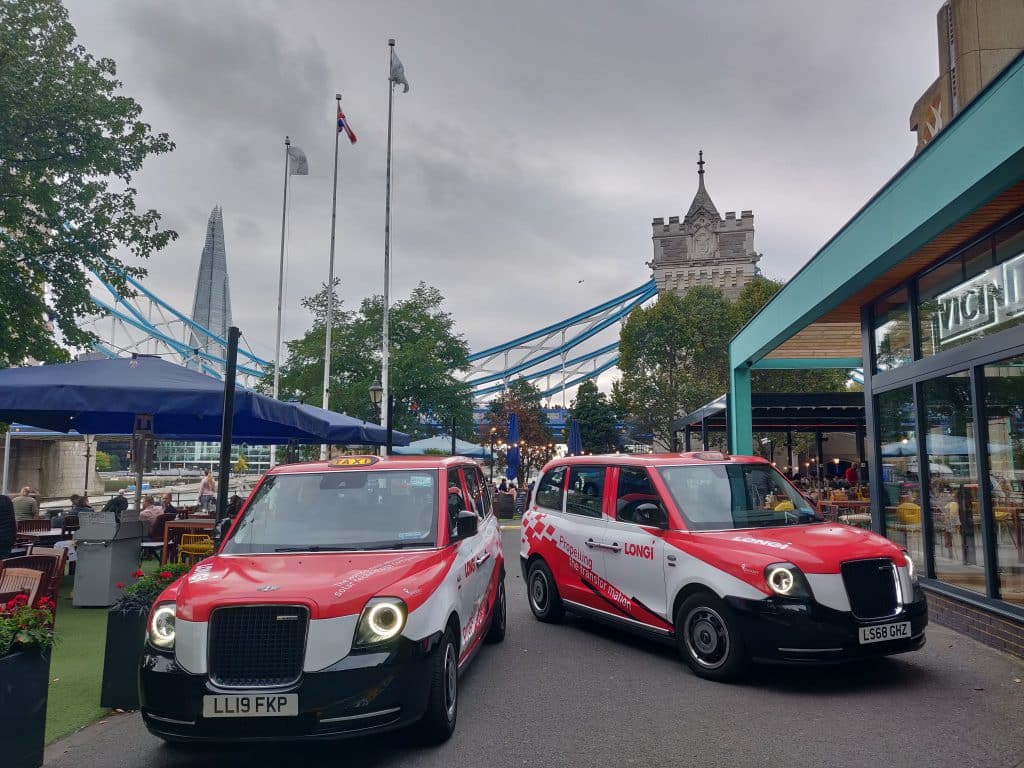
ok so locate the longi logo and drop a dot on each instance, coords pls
(991, 298)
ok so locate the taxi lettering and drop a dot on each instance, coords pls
(645, 552)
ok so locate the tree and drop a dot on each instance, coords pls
(425, 351)
(673, 359)
(70, 145)
(524, 399)
(103, 462)
(596, 417)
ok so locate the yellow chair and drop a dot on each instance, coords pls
(194, 546)
(908, 513)
(839, 496)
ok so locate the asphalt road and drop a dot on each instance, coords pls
(578, 694)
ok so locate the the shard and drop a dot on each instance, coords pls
(212, 305)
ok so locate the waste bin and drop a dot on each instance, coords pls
(108, 553)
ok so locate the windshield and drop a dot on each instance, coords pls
(714, 497)
(340, 511)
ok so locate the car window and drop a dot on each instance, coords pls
(549, 491)
(585, 492)
(344, 509)
(475, 491)
(634, 496)
(456, 501)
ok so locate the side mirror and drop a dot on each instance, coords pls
(653, 513)
(467, 524)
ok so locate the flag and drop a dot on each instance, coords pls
(398, 72)
(344, 126)
(297, 165)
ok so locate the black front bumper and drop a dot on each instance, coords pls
(366, 692)
(806, 632)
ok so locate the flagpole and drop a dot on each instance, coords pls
(330, 280)
(280, 292)
(385, 345)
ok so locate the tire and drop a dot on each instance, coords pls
(496, 631)
(438, 722)
(709, 638)
(542, 593)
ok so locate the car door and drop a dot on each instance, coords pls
(634, 558)
(581, 538)
(457, 500)
(487, 548)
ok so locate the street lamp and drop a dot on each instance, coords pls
(377, 398)
(494, 431)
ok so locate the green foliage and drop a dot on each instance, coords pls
(103, 462)
(596, 417)
(23, 626)
(70, 145)
(523, 399)
(140, 596)
(674, 357)
(425, 352)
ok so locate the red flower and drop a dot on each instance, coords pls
(120, 585)
(166, 575)
(138, 575)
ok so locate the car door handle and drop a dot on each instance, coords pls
(614, 546)
(483, 558)
(591, 543)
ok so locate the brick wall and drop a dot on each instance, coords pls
(986, 627)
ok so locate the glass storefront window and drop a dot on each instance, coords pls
(953, 478)
(899, 469)
(1004, 412)
(1010, 241)
(892, 331)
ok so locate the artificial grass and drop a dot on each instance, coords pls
(76, 664)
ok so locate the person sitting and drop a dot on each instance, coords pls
(167, 506)
(25, 506)
(116, 504)
(8, 526)
(150, 512)
(80, 504)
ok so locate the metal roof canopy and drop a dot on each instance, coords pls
(976, 159)
(779, 412)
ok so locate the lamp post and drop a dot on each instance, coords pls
(377, 398)
(494, 431)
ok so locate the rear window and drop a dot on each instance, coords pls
(339, 511)
(724, 496)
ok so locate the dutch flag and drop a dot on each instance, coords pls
(344, 126)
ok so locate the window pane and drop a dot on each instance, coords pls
(635, 490)
(953, 478)
(549, 494)
(898, 433)
(1004, 411)
(892, 331)
(586, 490)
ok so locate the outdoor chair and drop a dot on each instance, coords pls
(50, 565)
(69, 524)
(194, 546)
(33, 525)
(21, 580)
(506, 506)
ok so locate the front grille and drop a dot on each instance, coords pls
(871, 587)
(257, 646)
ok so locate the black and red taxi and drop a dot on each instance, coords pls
(345, 599)
(720, 553)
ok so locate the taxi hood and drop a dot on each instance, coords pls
(814, 548)
(329, 584)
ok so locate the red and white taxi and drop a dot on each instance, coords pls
(345, 599)
(720, 553)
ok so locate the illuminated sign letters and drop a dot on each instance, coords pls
(991, 298)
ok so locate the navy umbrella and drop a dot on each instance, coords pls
(575, 441)
(512, 470)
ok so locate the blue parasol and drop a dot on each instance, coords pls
(512, 470)
(575, 441)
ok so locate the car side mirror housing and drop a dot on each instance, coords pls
(467, 524)
(653, 512)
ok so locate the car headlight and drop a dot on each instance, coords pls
(911, 570)
(787, 580)
(382, 619)
(161, 627)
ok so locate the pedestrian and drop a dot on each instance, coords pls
(8, 526)
(25, 505)
(503, 488)
(207, 491)
(851, 474)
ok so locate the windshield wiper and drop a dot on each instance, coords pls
(317, 548)
(401, 545)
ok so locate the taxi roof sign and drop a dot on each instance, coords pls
(353, 461)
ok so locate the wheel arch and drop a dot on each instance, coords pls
(693, 588)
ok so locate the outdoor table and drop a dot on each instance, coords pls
(51, 536)
(199, 525)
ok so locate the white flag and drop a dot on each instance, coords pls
(398, 72)
(297, 165)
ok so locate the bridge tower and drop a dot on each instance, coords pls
(703, 248)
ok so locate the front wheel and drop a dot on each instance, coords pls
(709, 638)
(545, 601)
(438, 722)
(496, 632)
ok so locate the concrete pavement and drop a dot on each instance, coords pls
(578, 694)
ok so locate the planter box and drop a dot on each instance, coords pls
(126, 636)
(24, 681)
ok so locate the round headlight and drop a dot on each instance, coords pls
(161, 626)
(781, 580)
(384, 620)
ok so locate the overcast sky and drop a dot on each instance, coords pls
(536, 144)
